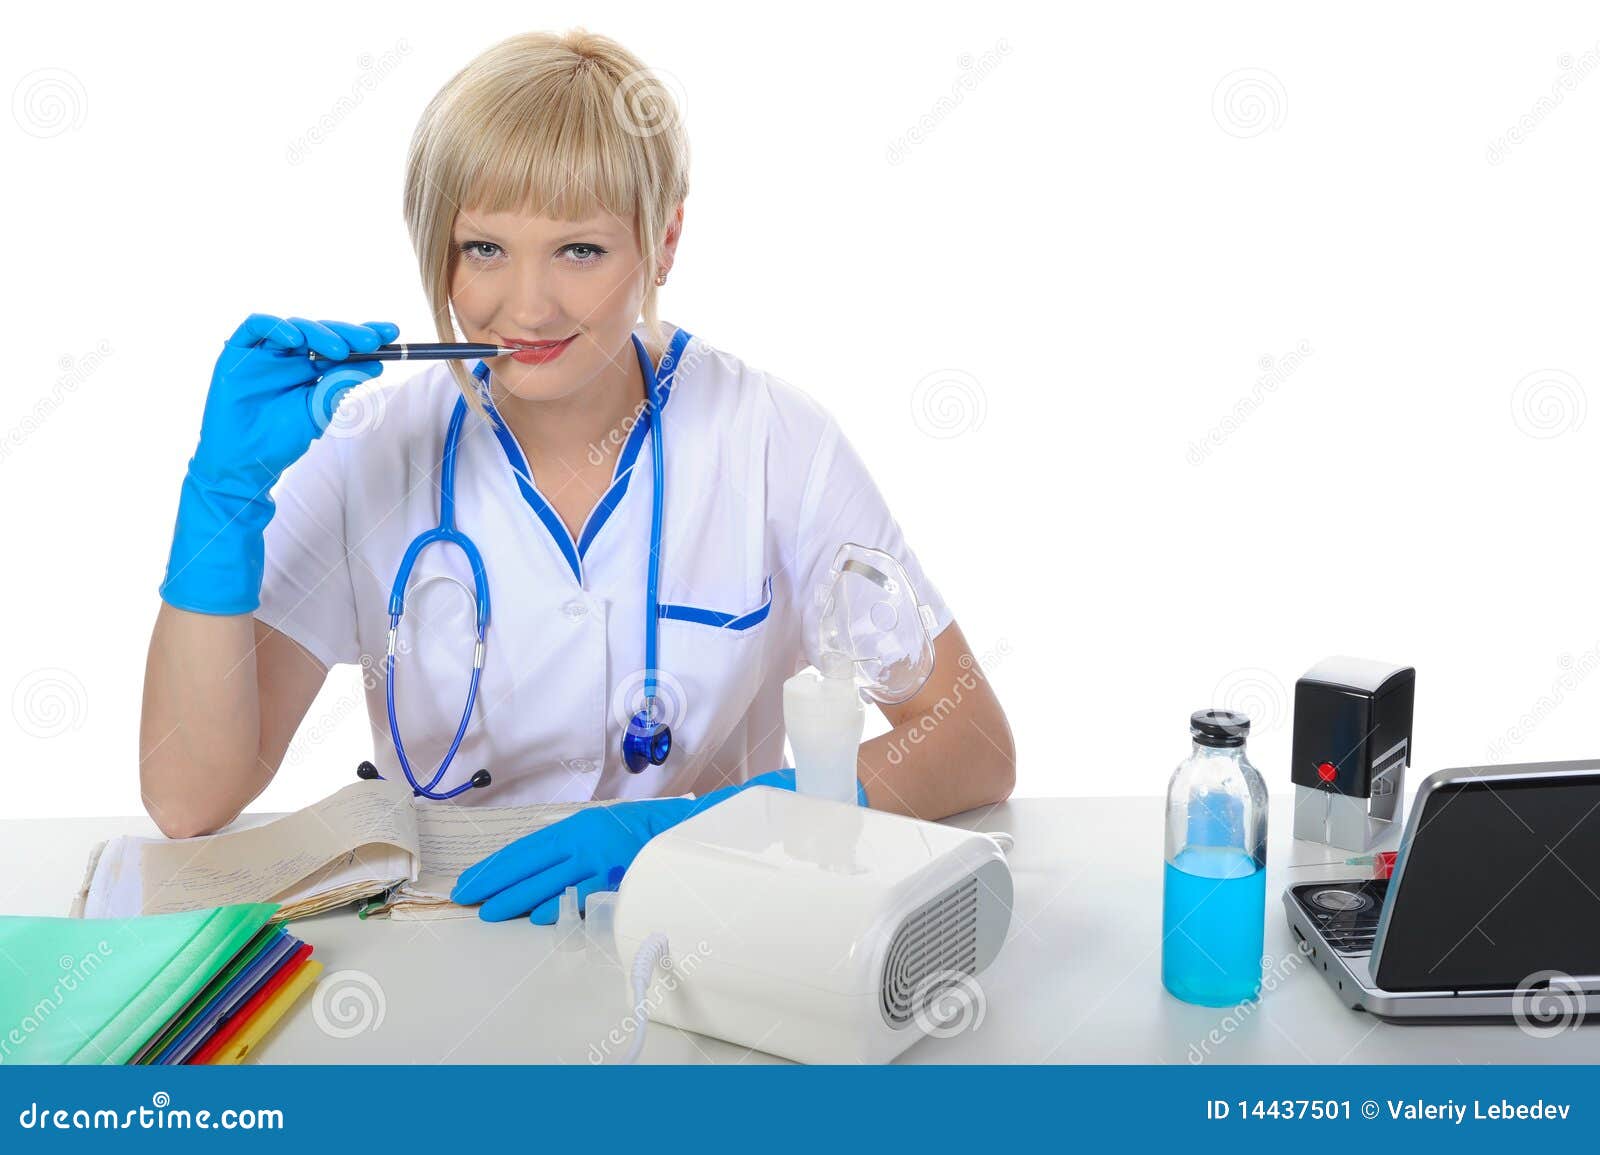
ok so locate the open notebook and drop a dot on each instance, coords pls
(370, 840)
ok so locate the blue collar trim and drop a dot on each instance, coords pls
(661, 384)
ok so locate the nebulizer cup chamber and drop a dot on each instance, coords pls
(874, 640)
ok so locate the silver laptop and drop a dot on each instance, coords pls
(1493, 910)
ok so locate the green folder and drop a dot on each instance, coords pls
(264, 938)
(76, 990)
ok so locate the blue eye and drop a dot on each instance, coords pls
(470, 248)
(596, 250)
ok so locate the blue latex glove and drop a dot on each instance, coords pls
(268, 401)
(591, 850)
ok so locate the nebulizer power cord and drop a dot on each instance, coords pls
(651, 954)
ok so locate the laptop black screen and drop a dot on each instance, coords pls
(1502, 880)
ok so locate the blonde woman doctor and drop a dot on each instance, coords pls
(544, 197)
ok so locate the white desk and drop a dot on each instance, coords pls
(1079, 980)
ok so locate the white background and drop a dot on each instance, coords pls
(1048, 269)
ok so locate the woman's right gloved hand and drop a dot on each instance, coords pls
(268, 401)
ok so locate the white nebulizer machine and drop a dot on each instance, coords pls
(800, 923)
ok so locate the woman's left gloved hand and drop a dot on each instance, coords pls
(590, 850)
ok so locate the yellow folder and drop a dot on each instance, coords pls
(240, 1046)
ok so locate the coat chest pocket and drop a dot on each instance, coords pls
(713, 655)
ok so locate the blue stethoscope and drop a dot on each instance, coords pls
(648, 740)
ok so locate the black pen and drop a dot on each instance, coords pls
(426, 351)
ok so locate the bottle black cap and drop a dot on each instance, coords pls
(1218, 727)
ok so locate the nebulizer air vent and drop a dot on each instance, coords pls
(874, 640)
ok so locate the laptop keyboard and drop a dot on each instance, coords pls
(1346, 912)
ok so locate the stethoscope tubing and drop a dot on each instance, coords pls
(647, 742)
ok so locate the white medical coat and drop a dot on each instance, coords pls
(761, 488)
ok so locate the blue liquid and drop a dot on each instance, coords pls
(1213, 922)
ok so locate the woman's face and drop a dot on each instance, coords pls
(519, 278)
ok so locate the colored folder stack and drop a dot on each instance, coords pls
(204, 986)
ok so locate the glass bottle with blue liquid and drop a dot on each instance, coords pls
(1213, 908)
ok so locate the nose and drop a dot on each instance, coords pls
(535, 308)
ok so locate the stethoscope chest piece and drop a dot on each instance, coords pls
(647, 742)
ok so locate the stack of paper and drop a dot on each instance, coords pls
(201, 986)
(356, 843)
(370, 840)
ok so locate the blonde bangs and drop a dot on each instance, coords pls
(568, 127)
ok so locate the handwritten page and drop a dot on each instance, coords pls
(453, 838)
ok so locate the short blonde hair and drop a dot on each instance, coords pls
(562, 126)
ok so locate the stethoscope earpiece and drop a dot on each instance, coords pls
(367, 772)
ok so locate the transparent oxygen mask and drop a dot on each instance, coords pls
(872, 629)
(874, 641)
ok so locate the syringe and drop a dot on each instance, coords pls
(1382, 863)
